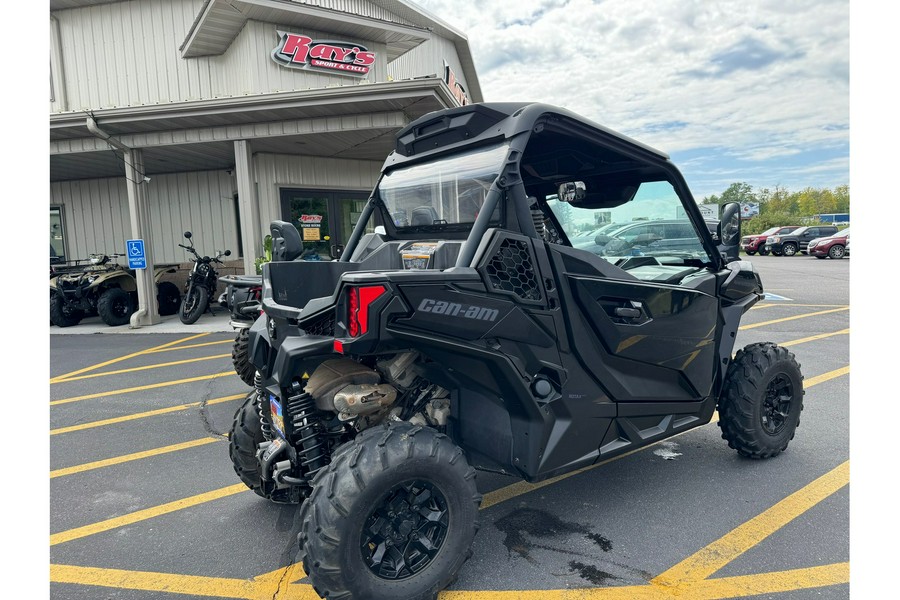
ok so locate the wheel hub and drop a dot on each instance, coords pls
(405, 530)
(777, 404)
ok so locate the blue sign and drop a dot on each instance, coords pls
(137, 259)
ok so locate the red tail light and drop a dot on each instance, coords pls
(358, 301)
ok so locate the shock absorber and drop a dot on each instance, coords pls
(265, 424)
(311, 444)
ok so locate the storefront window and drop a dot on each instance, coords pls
(324, 218)
(57, 236)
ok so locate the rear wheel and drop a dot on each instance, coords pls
(789, 249)
(760, 406)
(836, 251)
(240, 357)
(750, 252)
(193, 304)
(61, 314)
(393, 516)
(115, 306)
(168, 298)
(763, 252)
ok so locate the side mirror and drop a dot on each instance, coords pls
(572, 191)
(228, 253)
(187, 234)
(730, 231)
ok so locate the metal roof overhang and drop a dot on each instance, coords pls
(357, 122)
(219, 22)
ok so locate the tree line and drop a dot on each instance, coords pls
(778, 206)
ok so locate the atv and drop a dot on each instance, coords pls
(106, 288)
(461, 330)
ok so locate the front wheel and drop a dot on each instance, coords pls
(750, 252)
(115, 306)
(836, 251)
(760, 406)
(392, 517)
(61, 313)
(193, 305)
(789, 249)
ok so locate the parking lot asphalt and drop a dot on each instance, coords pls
(144, 503)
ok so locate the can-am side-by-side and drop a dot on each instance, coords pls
(461, 330)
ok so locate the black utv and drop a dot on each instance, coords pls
(460, 330)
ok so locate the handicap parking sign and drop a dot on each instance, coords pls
(134, 249)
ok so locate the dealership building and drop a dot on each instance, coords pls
(219, 116)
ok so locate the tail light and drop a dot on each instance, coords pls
(358, 301)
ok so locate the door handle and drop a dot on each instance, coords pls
(628, 313)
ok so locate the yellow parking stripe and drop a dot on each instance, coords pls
(143, 415)
(710, 559)
(143, 515)
(132, 355)
(144, 368)
(190, 346)
(791, 304)
(782, 320)
(141, 388)
(825, 377)
(813, 338)
(130, 457)
(280, 585)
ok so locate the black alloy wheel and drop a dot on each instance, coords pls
(115, 307)
(405, 531)
(193, 304)
(777, 404)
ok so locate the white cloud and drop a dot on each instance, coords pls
(757, 79)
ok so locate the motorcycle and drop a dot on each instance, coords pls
(201, 283)
(243, 299)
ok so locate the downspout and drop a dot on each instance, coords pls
(142, 313)
(60, 71)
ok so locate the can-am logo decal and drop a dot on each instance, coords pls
(301, 52)
(455, 309)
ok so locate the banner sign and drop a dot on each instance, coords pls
(298, 51)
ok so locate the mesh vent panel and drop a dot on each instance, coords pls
(511, 270)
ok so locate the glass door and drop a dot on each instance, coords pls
(324, 218)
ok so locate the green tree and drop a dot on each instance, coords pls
(842, 199)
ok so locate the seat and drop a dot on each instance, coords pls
(423, 215)
(286, 242)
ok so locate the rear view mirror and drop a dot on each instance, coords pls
(228, 253)
(187, 234)
(572, 191)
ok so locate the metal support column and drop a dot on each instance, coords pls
(147, 312)
(247, 206)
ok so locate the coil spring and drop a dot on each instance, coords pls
(312, 448)
(264, 423)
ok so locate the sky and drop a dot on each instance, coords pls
(755, 91)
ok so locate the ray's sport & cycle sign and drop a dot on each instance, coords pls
(298, 51)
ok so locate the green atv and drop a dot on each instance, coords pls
(105, 288)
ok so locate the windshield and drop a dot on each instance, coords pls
(771, 231)
(444, 192)
(653, 223)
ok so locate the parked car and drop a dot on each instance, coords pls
(751, 244)
(835, 246)
(650, 237)
(798, 240)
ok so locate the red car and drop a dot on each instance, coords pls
(752, 244)
(833, 246)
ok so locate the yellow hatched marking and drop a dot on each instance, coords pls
(143, 515)
(142, 415)
(281, 585)
(793, 318)
(118, 460)
(141, 388)
(190, 346)
(713, 557)
(59, 378)
(144, 368)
